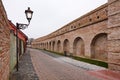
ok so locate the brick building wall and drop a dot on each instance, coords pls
(95, 35)
(4, 44)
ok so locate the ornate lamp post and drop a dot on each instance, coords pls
(19, 26)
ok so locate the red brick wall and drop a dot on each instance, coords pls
(4, 44)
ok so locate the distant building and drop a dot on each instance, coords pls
(30, 41)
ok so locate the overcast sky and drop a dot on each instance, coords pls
(49, 15)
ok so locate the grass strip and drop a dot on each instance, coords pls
(91, 61)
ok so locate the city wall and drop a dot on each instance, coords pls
(95, 35)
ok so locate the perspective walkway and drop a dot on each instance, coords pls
(48, 68)
(41, 65)
(54, 67)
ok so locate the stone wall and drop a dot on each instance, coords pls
(4, 44)
(114, 34)
(77, 37)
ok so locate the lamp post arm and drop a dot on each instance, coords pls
(22, 26)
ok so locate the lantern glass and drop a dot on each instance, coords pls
(29, 14)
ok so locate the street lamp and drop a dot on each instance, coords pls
(29, 14)
(19, 26)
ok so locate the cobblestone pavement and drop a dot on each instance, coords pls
(52, 67)
(26, 69)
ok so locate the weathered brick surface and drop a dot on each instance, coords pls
(114, 46)
(113, 7)
(114, 21)
(4, 44)
(114, 58)
(110, 1)
(114, 34)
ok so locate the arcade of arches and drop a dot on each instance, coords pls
(78, 47)
(97, 48)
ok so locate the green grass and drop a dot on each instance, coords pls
(95, 62)
(55, 52)
(91, 61)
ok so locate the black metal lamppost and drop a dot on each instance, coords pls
(19, 26)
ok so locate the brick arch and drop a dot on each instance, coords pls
(59, 46)
(49, 45)
(43, 45)
(40, 45)
(53, 46)
(66, 45)
(99, 47)
(78, 47)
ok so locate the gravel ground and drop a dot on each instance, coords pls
(26, 69)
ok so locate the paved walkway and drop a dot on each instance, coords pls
(26, 69)
(67, 68)
(48, 66)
